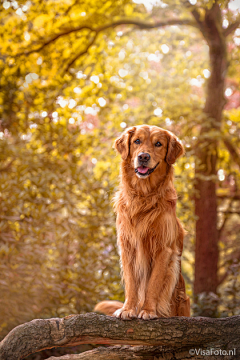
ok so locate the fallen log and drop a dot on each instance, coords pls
(178, 334)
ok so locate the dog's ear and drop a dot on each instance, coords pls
(122, 143)
(175, 149)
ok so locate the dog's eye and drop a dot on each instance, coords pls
(137, 141)
(158, 144)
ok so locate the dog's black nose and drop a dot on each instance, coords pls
(143, 157)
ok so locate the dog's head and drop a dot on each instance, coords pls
(147, 148)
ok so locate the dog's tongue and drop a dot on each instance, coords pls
(142, 169)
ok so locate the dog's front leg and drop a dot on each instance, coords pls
(161, 277)
(129, 309)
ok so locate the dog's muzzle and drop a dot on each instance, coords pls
(144, 170)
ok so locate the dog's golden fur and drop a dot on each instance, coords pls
(150, 237)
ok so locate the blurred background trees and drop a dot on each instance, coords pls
(74, 74)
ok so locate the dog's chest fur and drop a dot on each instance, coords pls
(144, 219)
(145, 227)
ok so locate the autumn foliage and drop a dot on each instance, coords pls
(74, 74)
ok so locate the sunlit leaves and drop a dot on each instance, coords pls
(58, 242)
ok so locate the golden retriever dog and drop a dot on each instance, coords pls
(150, 236)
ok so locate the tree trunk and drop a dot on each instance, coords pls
(167, 338)
(206, 250)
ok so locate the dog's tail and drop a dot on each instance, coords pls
(108, 307)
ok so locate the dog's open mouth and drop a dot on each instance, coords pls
(144, 170)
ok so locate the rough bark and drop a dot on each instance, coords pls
(137, 353)
(206, 252)
(172, 335)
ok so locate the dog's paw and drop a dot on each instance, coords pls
(147, 315)
(125, 314)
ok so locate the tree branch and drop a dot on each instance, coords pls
(235, 196)
(230, 211)
(71, 7)
(135, 22)
(54, 38)
(223, 278)
(233, 257)
(7, 167)
(172, 334)
(81, 53)
(220, 230)
(231, 28)
(132, 352)
(233, 152)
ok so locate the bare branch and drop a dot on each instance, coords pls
(171, 334)
(121, 352)
(7, 167)
(234, 256)
(230, 212)
(144, 25)
(135, 22)
(70, 7)
(81, 53)
(233, 152)
(54, 38)
(220, 230)
(132, 352)
(231, 28)
(223, 278)
(235, 196)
